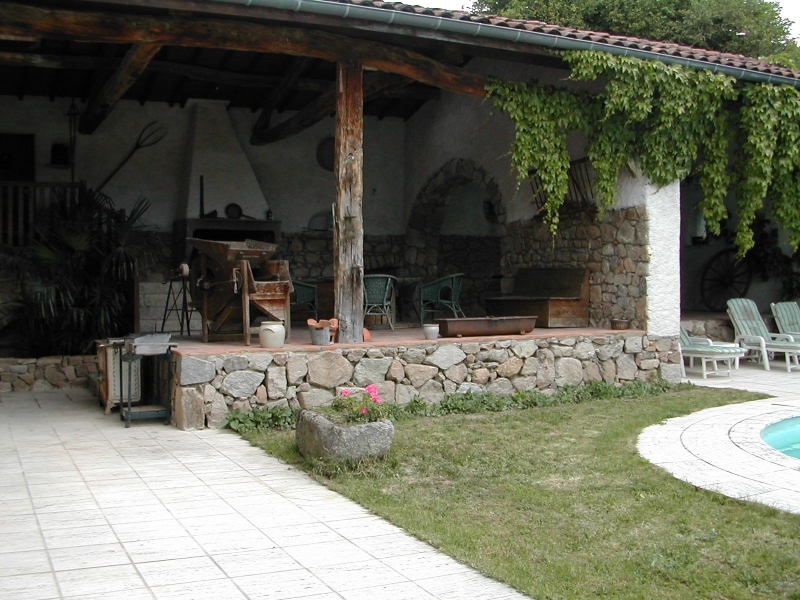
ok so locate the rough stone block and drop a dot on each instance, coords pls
(215, 407)
(480, 376)
(241, 384)
(195, 370)
(456, 373)
(569, 371)
(420, 374)
(258, 361)
(404, 394)
(432, 392)
(318, 437)
(500, 387)
(296, 369)
(314, 397)
(187, 411)
(371, 370)
(276, 382)
(670, 373)
(235, 363)
(329, 369)
(469, 388)
(633, 345)
(396, 372)
(510, 368)
(524, 384)
(445, 357)
(626, 367)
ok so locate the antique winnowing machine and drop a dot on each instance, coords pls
(228, 277)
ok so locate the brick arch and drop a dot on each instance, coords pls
(425, 221)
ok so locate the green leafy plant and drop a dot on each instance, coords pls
(73, 283)
(362, 407)
(260, 419)
(671, 121)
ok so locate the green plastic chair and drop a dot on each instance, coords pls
(707, 351)
(305, 299)
(444, 292)
(379, 296)
(752, 333)
(787, 318)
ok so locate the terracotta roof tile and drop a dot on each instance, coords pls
(666, 48)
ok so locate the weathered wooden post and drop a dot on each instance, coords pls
(348, 225)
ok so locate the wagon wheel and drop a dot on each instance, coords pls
(724, 277)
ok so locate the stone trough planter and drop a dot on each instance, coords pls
(319, 437)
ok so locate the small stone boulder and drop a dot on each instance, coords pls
(320, 438)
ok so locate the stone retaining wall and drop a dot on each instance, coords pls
(614, 248)
(47, 373)
(211, 385)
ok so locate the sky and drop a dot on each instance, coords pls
(790, 9)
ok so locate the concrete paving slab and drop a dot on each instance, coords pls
(95, 511)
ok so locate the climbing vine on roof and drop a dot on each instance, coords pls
(671, 121)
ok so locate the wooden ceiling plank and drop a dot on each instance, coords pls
(321, 107)
(20, 19)
(101, 105)
(297, 67)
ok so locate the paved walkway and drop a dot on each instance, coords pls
(721, 449)
(91, 510)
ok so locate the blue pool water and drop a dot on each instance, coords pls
(784, 436)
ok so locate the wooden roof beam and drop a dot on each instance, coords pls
(296, 69)
(322, 106)
(101, 105)
(26, 20)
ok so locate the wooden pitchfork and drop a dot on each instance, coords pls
(151, 134)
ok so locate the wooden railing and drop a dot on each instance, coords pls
(20, 202)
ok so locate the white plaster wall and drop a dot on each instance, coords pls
(153, 173)
(217, 156)
(458, 126)
(663, 246)
(296, 187)
(287, 173)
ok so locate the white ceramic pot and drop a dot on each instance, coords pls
(271, 334)
(431, 332)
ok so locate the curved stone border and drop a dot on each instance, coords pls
(720, 449)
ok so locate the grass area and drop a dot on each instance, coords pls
(556, 502)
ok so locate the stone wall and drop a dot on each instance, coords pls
(310, 255)
(479, 259)
(613, 247)
(211, 385)
(47, 373)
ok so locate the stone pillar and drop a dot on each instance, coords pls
(663, 247)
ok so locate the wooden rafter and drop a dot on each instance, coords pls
(134, 63)
(25, 20)
(279, 92)
(321, 107)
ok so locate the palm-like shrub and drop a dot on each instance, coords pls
(73, 282)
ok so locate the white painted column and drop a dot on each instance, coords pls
(663, 248)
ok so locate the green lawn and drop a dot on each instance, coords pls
(557, 503)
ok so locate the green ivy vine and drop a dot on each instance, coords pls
(671, 121)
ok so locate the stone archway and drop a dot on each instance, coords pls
(426, 218)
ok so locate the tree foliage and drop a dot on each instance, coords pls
(749, 27)
(672, 121)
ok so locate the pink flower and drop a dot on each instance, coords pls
(363, 410)
(376, 399)
(371, 389)
(344, 392)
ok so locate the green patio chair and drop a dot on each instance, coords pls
(787, 318)
(707, 351)
(379, 296)
(305, 299)
(443, 292)
(752, 333)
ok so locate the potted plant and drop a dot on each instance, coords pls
(356, 427)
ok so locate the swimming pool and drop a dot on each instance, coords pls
(784, 436)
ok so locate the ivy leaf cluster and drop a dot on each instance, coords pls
(672, 121)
